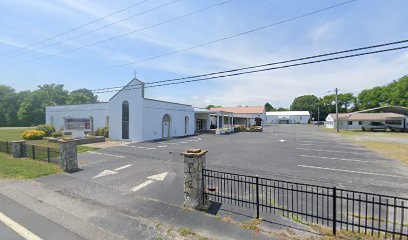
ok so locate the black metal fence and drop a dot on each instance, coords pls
(42, 153)
(360, 212)
(5, 147)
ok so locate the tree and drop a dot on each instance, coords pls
(282, 109)
(81, 96)
(212, 106)
(268, 107)
(32, 108)
(306, 103)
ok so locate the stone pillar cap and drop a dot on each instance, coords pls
(194, 152)
(66, 140)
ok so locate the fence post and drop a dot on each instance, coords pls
(48, 154)
(334, 211)
(68, 156)
(194, 163)
(18, 149)
(257, 196)
(7, 148)
(33, 151)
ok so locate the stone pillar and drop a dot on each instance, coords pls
(68, 156)
(194, 162)
(18, 149)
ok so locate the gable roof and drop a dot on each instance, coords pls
(241, 110)
(129, 86)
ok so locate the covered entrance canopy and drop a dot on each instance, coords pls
(212, 120)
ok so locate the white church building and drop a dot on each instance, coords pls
(128, 114)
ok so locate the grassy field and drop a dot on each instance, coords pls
(13, 134)
(24, 168)
(379, 142)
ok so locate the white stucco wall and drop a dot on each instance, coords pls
(304, 119)
(99, 112)
(133, 94)
(153, 112)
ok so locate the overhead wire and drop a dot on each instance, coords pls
(264, 65)
(77, 27)
(87, 33)
(223, 38)
(128, 33)
(262, 70)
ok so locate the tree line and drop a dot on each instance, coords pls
(27, 108)
(394, 93)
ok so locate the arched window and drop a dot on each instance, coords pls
(166, 126)
(52, 121)
(186, 125)
(107, 121)
(125, 120)
(91, 123)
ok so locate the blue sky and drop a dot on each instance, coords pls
(360, 23)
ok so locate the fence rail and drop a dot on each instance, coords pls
(42, 153)
(5, 147)
(361, 212)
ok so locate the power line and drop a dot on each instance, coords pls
(131, 32)
(224, 38)
(88, 32)
(268, 64)
(266, 69)
(76, 28)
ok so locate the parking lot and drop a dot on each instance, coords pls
(288, 152)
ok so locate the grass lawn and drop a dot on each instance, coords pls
(23, 168)
(11, 134)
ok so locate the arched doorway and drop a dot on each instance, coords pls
(125, 120)
(186, 125)
(166, 126)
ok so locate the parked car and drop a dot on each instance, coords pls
(373, 126)
(318, 123)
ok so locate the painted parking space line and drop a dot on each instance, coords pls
(352, 171)
(325, 150)
(183, 142)
(123, 167)
(339, 159)
(329, 145)
(140, 186)
(148, 148)
(19, 229)
(106, 154)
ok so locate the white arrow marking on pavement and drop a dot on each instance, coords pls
(282, 140)
(123, 167)
(144, 184)
(105, 173)
(21, 230)
(158, 177)
(110, 155)
(162, 146)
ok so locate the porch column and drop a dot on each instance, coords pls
(218, 121)
(229, 121)
(232, 121)
(222, 120)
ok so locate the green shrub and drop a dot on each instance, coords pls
(33, 134)
(102, 132)
(47, 129)
(57, 134)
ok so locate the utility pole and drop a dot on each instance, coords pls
(337, 111)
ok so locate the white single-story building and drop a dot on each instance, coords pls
(243, 115)
(393, 116)
(287, 117)
(129, 115)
